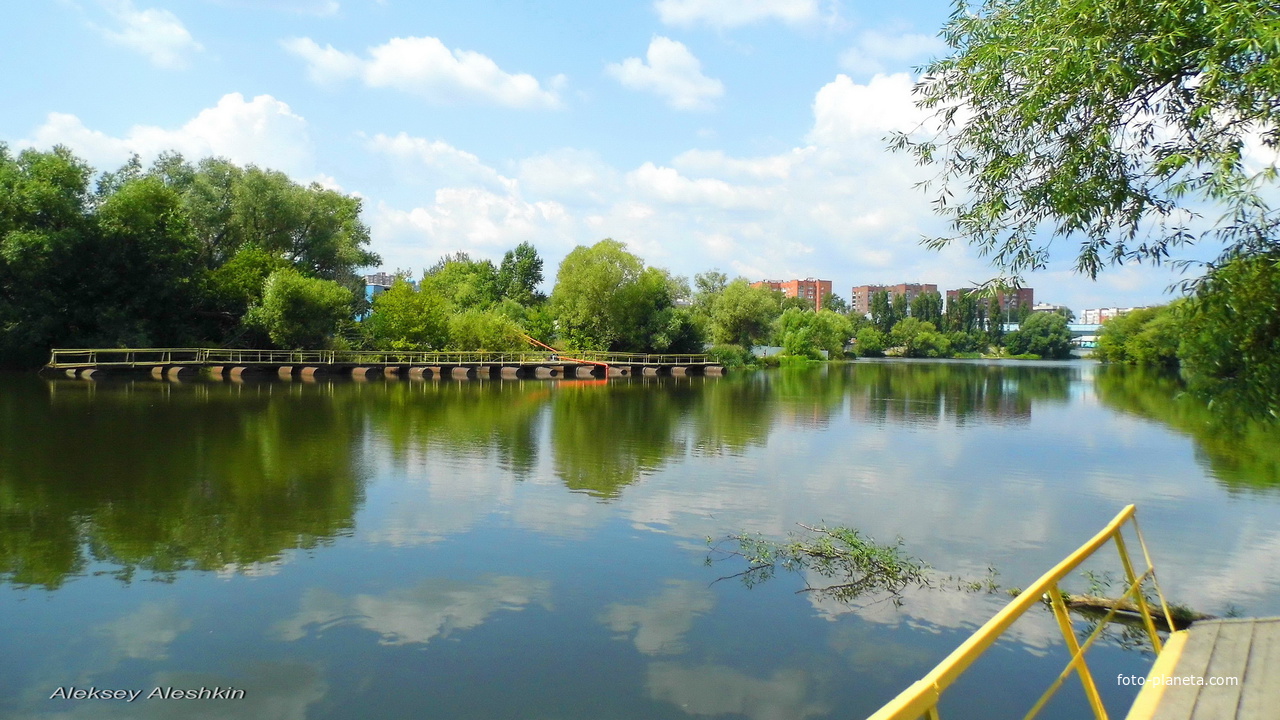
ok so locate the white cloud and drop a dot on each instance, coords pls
(568, 175)
(672, 73)
(316, 8)
(262, 131)
(849, 115)
(670, 186)
(472, 219)
(447, 163)
(703, 162)
(424, 66)
(734, 13)
(879, 52)
(158, 34)
(838, 205)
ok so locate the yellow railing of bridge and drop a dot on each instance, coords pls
(922, 698)
(134, 357)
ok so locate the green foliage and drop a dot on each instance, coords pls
(967, 342)
(835, 303)
(883, 313)
(1042, 334)
(606, 299)
(742, 315)
(870, 343)
(1231, 336)
(920, 339)
(408, 319)
(1106, 122)
(858, 565)
(1148, 336)
(731, 356)
(804, 333)
(173, 255)
(464, 283)
(299, 312)
(485, 330)
(520, 274)
(927, 307)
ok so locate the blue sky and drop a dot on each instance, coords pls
(743, 135)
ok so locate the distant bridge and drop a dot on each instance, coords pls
(222, 363)
(1084, 335)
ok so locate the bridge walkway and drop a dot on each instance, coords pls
(1238, 662)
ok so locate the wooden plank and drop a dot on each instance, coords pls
(1260, 686)
(1230, 656)
(1178, 701)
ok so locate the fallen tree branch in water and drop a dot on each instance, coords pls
(859, 565)
(1182, 616)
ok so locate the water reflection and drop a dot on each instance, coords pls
(150, 477)
(661, 622)
(441, 517)
(1243, 453)
(959, 393)
(709, 690)
(432, 608)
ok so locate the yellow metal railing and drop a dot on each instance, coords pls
(921, 699)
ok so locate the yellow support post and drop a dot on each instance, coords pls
(1139, 598)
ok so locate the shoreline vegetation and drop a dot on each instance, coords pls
(209, 253)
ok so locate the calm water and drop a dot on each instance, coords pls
(536, 549)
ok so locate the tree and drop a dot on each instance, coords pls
(882, 312)
(741, 314)
(927, 307)
(406, 319)
(1231, 335)
(1043, 334)
(606, 299)
(1108, 122)
(484, 330)
(920, 339)
(463, 282)
(520, 274)
(298, 312)
(707, 286)
(835, 303)
(870, 343)
(801, 332)
(1148, 336)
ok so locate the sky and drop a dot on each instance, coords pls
(746, 136)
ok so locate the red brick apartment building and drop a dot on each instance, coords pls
(860, 299)
(809, 289)
(1022, 297)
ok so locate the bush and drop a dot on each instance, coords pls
(870, 343)
(920, 339)
(298, 312)
(731, 356)
(1143, 337)
(1044, 334)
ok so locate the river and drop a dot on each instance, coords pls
(538, 549)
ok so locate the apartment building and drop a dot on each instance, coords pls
(809, 289)
(860, 296)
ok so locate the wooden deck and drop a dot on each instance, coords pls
(1246, 650)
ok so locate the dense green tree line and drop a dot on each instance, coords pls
(175, 254)
(1225, 338)
(972, 324)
